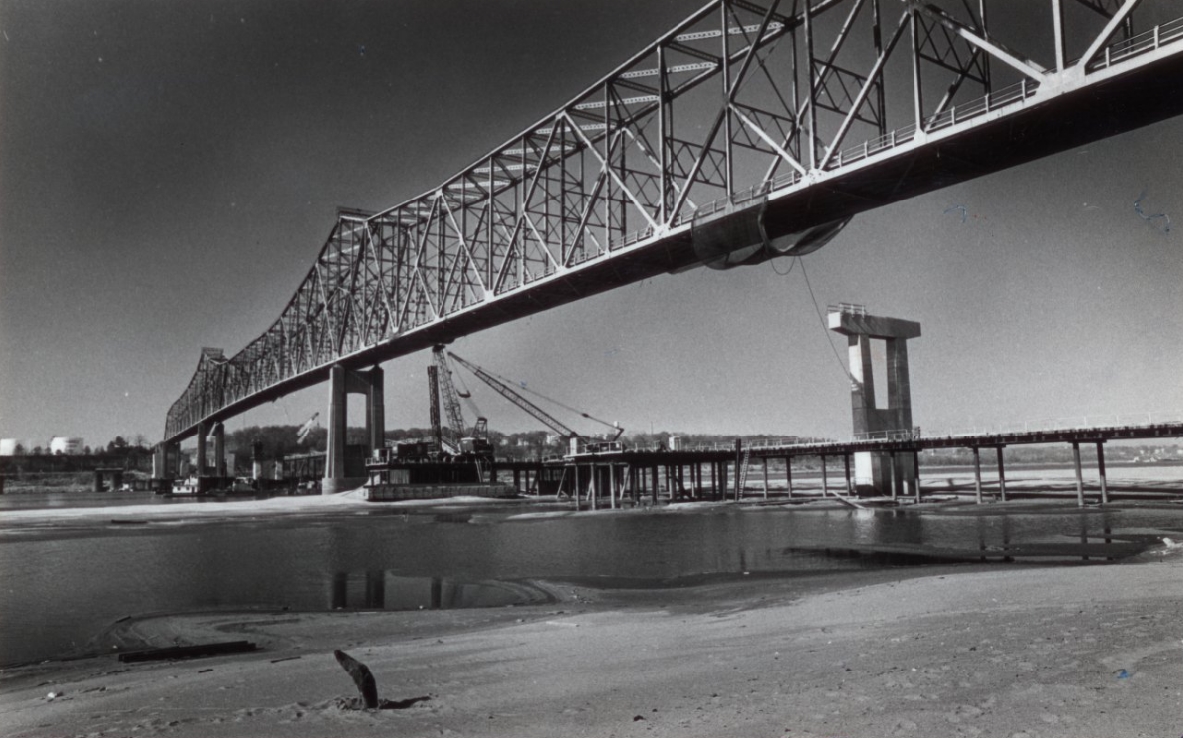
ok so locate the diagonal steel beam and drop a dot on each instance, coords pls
(1108, 31)
(990, 45)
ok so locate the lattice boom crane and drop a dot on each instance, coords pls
(516, 398)
(448, 392)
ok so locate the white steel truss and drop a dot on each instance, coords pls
(744, 101)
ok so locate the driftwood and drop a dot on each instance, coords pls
(362, 677)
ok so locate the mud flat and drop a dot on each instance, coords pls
(1002, 651)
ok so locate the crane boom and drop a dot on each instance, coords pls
(433, 392)
(451, 401)
(512, 395)
(306, 428)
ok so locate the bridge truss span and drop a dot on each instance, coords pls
(753, 128)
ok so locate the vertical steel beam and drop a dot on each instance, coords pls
(1058, 32)
(812, 121)
(663, 125)
(881, 92)
(985, 57)
(764, 462)
(789, 475)
(490, 271)
(917, 93)
(727, 150)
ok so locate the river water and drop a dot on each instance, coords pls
(64, 583)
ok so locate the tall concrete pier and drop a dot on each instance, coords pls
(881, 471)
(342, 383)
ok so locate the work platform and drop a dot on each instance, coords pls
(642, 473)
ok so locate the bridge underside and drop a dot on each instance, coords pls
(1116, 106)
(545, 219)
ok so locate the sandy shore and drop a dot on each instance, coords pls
(1018, 651)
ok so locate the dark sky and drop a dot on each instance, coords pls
(169, 170)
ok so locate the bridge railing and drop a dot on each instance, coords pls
(1085, 422)
(1139, 44)
(386, 282)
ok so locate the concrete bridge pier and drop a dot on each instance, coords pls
(874, 471)
(202, 451)
(166, 458)
(219, 435)
(339, 475)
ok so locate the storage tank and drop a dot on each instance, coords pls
(65, 445)
(8, 446)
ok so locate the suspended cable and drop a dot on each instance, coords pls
(522, 386)
(466, 395)
(772, 263)
(825, 328)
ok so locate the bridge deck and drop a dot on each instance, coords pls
(649, 171)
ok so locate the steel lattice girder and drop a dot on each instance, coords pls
(786, 113)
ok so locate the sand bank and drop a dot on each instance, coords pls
(1072, 651)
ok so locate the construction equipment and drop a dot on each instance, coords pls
(741, 477)
(509, 393)
(475, 441)
(448, 394)
(306, 428)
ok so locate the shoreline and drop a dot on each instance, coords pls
(948, 650)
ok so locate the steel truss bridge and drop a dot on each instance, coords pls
(752, 129)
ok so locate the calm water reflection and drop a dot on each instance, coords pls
(62, 587)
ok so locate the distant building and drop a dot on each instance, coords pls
(65, 445)
(8, 446)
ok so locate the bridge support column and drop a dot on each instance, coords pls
(789, 475)
(1079, 476)
(1001, 475)
(916, 473)
(977, 475)
(375, 384)
(165, 458)
(202, 433)
(1101, 472)
(340, 474)
(219, 450)
(872, 468)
